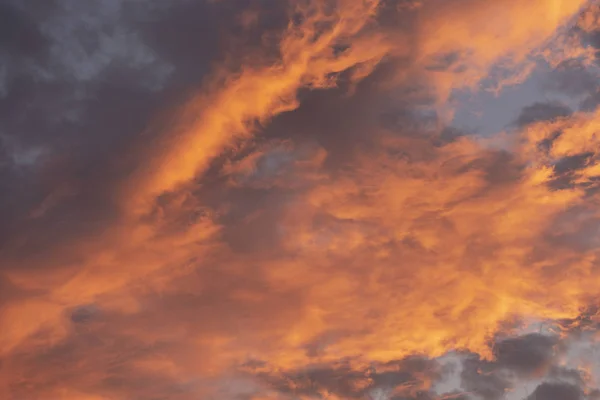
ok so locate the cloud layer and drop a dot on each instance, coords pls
(259, 199)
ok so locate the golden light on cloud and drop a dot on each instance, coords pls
(311, 224)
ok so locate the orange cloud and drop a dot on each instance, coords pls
(432, 254)
(413, 244)
(236, 103)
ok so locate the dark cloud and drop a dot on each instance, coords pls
(480, 378)
(83, 83)
(526, 355)
(556, 391)
(84, 314)
(516, 360)
(542, 112)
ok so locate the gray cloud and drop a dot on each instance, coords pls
(542, 112)
(82, 82)
(556, 391)
(480, 378)
(526, 355)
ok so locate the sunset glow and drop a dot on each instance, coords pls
(300, 200)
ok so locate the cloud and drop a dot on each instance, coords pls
(285, 211)
(542, 112)
(408, 377)
(550, 391)
(527, 355)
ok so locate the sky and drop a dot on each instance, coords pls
(299, 200)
